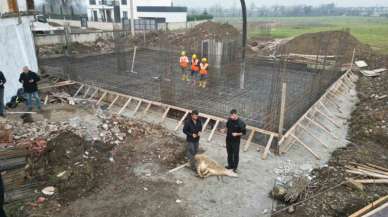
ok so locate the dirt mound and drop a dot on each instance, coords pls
(325, 43)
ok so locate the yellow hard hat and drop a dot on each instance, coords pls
(204, 60)
(194, 56)
(183, 53)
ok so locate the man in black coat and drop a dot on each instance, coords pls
(29, 80)
(192, 129)
(2, 82)
(235, 129)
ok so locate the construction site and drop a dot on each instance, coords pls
(109, 142)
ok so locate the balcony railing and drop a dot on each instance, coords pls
(108, 2)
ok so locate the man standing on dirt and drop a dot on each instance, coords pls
(2, 82)
(192, 129)
(29, 80)
(235, 128)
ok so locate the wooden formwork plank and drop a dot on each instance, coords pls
(249, 140)
(181, 121)
(87, 91)
(114, 101)
(326, 109)
(94, 94)
(125, 105)
(79, 89)
(205, 124)
(213, 130)
(322, 127)
(165, 113)
(267, 147)
(46, 99)
(101, 98)
(367, 208)
(312, 135)
(138, 106)
(305, 146)
(147, 108)
(333, 103)
(327, 117)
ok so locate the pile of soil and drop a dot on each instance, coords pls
(369, 136)
(340, 43)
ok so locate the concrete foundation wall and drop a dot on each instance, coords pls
(75, 37)
(17, 49)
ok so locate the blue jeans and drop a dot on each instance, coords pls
(1, 100)
(29, 100)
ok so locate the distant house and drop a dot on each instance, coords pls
(117, 10)
(13, 6)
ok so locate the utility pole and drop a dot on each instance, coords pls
(132, 18)
(244, 44)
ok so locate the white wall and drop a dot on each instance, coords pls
(75, 37)
(17, 49)
(171, 17)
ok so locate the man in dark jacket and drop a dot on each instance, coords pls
(2, 82)
(235, 129)
(29, 80)
(192, 129)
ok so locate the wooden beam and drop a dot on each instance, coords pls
(371, 181)
(86, 92)
(282, 108)
(101, 98)
(137, 106)
(93, 94)
(305, 146)
(79, 89)
(181, 121)
(319, 125)
(179, 167)
(326, 109)
(113, 102)
(205, 124)
(249, 140)
(46, 100)
(366, 209)
(312, 135)
(327, 117)
(147, 108)
(165, 113)
(213, 130)
(267, 147)
(125, 105)
(377, 210)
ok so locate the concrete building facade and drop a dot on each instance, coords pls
(116, 10)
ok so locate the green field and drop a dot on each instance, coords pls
(369, 30)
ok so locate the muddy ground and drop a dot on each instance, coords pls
(369, 136)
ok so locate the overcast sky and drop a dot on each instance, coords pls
(229, 3)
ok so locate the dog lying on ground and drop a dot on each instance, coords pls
(206, 167)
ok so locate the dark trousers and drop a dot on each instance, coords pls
(1, 101)
(192, 150)
(233, 150)
(2, 213)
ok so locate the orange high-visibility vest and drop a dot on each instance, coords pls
(184, 62)
(203, 70)
(195, 65)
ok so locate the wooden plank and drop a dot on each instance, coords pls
(125, 105)
(138, 106)
(179, 167)
(305, 146)
(322, 127)
(59, 84)
(282, 108)
(213, 130)
(205, 124)
(369, 207)
(79, 89)
(365, 173)
(93, 94)
(375, 211)
(181, 121)
(326, 109)
(86, 92)
(46, 100)
(377, 167)
(267, 147)
(249, 140)
(312, 135)
(101, 98)
(147, 108)
(113, 102)
(165, 113)
(371, 181)
(327, 117)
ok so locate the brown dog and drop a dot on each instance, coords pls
(207, 167)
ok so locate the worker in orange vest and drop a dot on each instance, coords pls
(203, 71)
(194, 68)
(184, 64)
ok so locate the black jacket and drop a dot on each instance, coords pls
(235, 126)
(2, 79)
(190, 128)
(25, 80)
